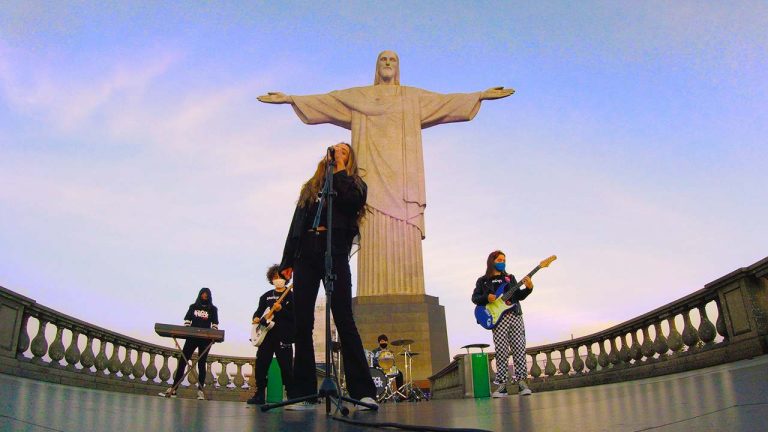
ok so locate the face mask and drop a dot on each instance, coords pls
(500, 266)
(279, 283)
(383, 345)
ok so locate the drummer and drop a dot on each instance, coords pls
(376, 352)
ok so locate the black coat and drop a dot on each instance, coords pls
(201, 313)
(285, 326)
(485, 285)
(350, 198)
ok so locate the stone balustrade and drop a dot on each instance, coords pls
(41, 343)
(725, 321)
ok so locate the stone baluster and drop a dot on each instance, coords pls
(192, 376)
(707, 331)
(591, 359)
(72, 355)
(138, 365)
(87, 359)
(151, 371)
(223, 377)
(165, 371)
(578, 363)
(564, 366)
(720, 323)
(126, 367)
(39, 343)
(24, 341)
(635, 351)
(613, 356)
(690, 335)
(660, 344)
(549, 367)
(535, 368)
(101, 358)
(239, 379)
(114, 361)
(647, 346)
(624, 351)
(674, 340)
(209, 380)
(602, 358)
(56, 351)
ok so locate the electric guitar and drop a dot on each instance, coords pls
(258, 330)
(489, 315)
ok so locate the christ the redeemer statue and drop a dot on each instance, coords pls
(386, 120)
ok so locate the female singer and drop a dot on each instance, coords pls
(303, 259)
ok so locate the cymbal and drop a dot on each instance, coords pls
(410, 354)
(401, 342)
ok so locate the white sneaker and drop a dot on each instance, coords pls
(369, 401)
(501, 391)
(524, 389)
(300, 406)
(200, 395)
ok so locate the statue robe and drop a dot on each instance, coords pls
(386, 123)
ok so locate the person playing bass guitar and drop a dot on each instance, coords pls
(509, 332)
(278, 341)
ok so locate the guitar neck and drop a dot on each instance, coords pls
(509, 293)
(278, 301)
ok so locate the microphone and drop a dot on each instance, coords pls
(332, 152)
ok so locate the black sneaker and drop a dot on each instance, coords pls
(256, 399)
(500, 392)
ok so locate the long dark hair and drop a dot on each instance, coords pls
(312, 187)
(199, 301)
(491, 263)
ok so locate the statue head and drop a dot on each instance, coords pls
(387, 68)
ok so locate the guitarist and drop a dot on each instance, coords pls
(278, 341)
(509, 333)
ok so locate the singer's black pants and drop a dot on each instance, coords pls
(308, 271)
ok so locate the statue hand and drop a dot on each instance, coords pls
(275, 98)
(496, 93)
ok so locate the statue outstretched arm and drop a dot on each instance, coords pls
(314, 109)
(276, 98)
(496, 93)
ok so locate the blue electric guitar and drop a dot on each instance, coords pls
(489, 315)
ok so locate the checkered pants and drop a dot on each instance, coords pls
(509, 339)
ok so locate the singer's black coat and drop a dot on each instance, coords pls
(350, 198)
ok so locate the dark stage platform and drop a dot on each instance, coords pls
(732, 397)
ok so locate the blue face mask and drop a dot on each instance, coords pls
(500, 266)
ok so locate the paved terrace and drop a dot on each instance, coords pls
(730, 397)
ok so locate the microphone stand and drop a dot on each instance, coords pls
(329, 388)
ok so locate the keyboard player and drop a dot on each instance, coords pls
(203, 314)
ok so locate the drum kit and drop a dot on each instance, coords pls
(385, 374)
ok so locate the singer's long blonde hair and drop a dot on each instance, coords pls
(312, 187)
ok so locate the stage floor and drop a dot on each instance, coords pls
(732, 397)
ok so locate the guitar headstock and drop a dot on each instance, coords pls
(547, 262)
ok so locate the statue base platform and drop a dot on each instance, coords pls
(417, 317)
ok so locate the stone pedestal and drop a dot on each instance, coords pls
(417, 317)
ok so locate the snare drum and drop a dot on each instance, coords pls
(379, 381)
(386, 361)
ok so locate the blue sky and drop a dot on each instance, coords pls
(136, 164)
